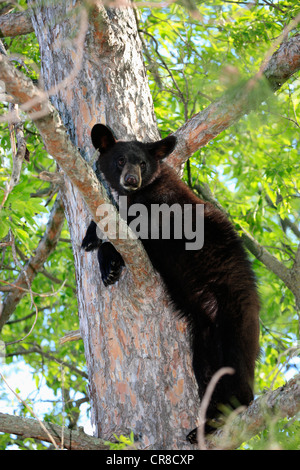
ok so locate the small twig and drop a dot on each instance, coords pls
(18, 320)
(31, 412)
(205, 403)
(23, 269)
(70, 336)
(291, 353)
(181, 95)
(49, 294)
(30, 331)
(48, 355)
(51, 177)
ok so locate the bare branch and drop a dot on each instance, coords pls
(74, 439)
(15, 24)
(41, 424)
(51, 177)
(71, 336)
(291, 277)
(56, 280)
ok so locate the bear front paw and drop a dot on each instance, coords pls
(91, 240)
(111, 264)
(192, 436)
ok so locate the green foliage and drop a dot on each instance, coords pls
(193, 56)
(122, 443)
(280, 435)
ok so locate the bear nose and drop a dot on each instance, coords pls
(131, 180)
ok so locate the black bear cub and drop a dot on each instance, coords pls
(213, 287)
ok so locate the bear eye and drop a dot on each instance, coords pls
(121, 161)
(143, 165)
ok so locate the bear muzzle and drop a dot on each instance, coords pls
(131, 178)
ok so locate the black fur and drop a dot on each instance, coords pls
(213, 288)
(110, 261)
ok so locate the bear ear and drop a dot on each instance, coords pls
(102, 137)
(161, 149)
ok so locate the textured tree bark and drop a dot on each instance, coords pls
(137, 353)
(15, 24)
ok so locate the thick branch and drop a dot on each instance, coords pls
(58, 144)
(15, 24)
(228, 109)
(283, 402)
(45, 247)
(74, 439)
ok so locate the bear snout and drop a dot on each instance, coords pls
(131, 180)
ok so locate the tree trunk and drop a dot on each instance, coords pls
(137, 352)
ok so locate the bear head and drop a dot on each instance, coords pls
(129, 166)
